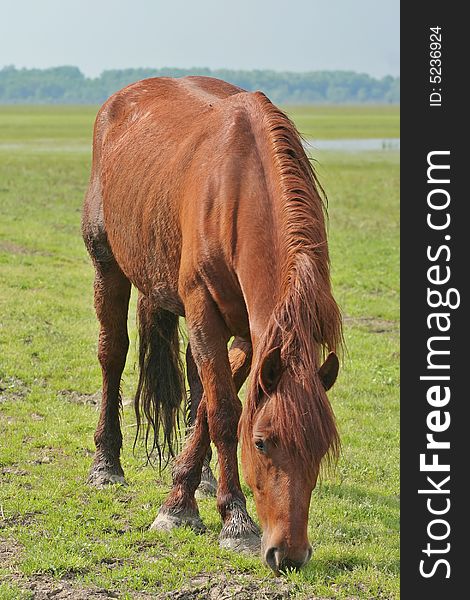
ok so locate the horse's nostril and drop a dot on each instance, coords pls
(272, 558)
(290, 565)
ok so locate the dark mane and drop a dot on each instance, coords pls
(306, 322)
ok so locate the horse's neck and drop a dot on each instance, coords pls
(263, 263)
(262, 281)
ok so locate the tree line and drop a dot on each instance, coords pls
(68, 85)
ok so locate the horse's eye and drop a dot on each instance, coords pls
(260, 445)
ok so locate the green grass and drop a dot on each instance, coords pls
(48, 333)
(339, 122)
(47, 124)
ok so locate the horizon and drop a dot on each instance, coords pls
(192, 68)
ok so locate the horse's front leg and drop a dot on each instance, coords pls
(208, 338)
(224, 408)
(240, 362)
(217, 420)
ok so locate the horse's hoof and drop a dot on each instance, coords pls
(248, 544)
(102, 476)
(166, 521)
(240, 533)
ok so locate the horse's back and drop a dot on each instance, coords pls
(158, 120)
(164, 99)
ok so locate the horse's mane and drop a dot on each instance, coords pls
(306, 322)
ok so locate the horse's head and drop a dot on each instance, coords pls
(285, 433)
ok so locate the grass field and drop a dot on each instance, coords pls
(338, 122)
(57, 535)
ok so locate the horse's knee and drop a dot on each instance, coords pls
(96, 242)
(94, 231)
(223, 421)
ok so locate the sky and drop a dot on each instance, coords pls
(282, 35)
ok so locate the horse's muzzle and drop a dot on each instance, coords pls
(279, 561)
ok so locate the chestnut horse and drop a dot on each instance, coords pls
(202, 197)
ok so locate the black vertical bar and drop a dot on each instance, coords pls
(431, 123)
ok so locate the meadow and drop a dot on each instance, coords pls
(60, 537)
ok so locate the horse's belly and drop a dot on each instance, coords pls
(157, 284)
(149, 259)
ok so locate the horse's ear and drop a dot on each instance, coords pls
(271, 370)
(328, 372)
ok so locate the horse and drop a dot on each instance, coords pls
(202, 197)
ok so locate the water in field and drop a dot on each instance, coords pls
(354, 144)
(341, 145)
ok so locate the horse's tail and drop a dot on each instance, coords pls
(161, 381)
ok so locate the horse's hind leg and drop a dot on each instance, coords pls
(112, 292)
(208, 485)
(240, 356)
(240, 363)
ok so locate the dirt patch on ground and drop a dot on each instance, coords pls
(372, 324)
(17, 519)
(12, 248)
(13, 471)
(236, 587)
(87, 399)
(78, 398)
(9, 551)
(42, 588)
(202, 587)
(12, 388)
